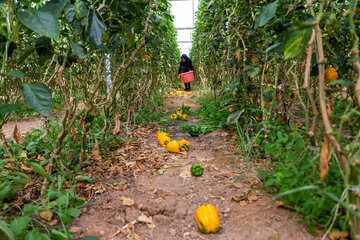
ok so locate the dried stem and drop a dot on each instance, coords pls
(5, 143)
(355, 48)
(307, 85)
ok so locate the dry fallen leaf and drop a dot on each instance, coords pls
(47, 215)
(95, 151)
(73, 131)
(53, 222)
(252, 198)
(124, 230)
(135, 236)
(243, 203)
(26, 169)
(253, 181)
(324, 159)
(128, 202)
(279, 204)
(82, 123)
(117, 125)
(338, 235)
(185, 173)
(16, 135)
(237, 55)
(145, 219)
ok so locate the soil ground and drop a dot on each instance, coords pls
(170, 199)
(165, 195)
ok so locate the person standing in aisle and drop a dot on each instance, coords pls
(185, 66)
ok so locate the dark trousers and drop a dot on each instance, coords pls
(187, 86)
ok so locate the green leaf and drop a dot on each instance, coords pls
(7, 193)
(65, 217)
(57, 235)
(36, 235)
(295, 190)
(8, 108)
(85, 179)
(235, 116)
(81, 10)
(74, 212)
(267, 13)
(342, 203)
(89, 238)
(41, 22)
(63, 202)
(342, 82)
(5, 229)
(19, 225)
(70, 13)
(55, 6)
(254, 72)
(79, 50)
(96, 29)
(38, 96)
(30, 209)
(296, 42)
(23, 57)
(15, 73)
(277, 46)
(39, 169)
(43, 47)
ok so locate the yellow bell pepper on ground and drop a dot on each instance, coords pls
(207, 219)
(184, 145)
(184, 117)
(171, 93)
(160, 131)
(173, 116)
(173, 146)
(179, 111)
(161, 136)
(164, 141)
(188, 93)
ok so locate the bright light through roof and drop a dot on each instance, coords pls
(184, 17)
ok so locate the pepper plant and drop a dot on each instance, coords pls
(265, 61)
(100, 62)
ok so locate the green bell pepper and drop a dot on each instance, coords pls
(197, 170)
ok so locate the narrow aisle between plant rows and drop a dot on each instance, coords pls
(151, 193)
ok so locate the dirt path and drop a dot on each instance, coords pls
(169, 200)
(23, 126)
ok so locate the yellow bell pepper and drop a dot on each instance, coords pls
(173, 146)
(179, 111)
(184, 117)
(164, 141)
(186, 105)
(171, 93)
(173, 116)
(160, 131)
(207, 219)
(161, 136)
(188, 93)
(184, 145)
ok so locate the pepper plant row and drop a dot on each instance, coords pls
(288, 71)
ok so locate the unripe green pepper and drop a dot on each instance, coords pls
(197, 170)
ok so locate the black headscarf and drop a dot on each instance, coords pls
(185, 66)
